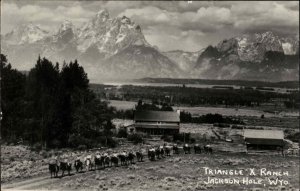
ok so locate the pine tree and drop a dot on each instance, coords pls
(12, 102)
(42, 92)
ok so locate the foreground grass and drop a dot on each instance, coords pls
(180, 172)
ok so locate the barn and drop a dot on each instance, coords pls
(263, 139)
(157, 122)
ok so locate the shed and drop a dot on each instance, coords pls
(264, 138)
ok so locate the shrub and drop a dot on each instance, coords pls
(36, 147)
(111, 142)
(122, 133)
(75, 141)
(192, 140)
(55, 143)
(44, 154)
(82, 147)
(295, 137)
(183, 137)
(135, 138)
(166, 138)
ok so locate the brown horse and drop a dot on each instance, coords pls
(53, 168)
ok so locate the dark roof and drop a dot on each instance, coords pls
(156, 116)
(263, 134)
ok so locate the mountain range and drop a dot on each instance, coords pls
(116, 48)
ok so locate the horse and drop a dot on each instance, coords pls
(167, 150)
(162, 151)
(114, 160)
(208, 149)
(186, 149)
(151, 154)
(88, 164)
(106, 161)
(78, 165)
(65, 166)
(102, 160)
(97, 162)
(130, 157)
(175, 149)
(122, 158)
(197, 149)
(139, 156)
(157, 153)
(53, 168)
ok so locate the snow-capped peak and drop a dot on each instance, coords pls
(252, 47)
(109, 35)
(102, 14)
(26, 33)
(65, 33)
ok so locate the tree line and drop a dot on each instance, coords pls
(186, 117)
(204, 96)
(52, 106)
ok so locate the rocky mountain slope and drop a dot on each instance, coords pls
(137, 60)
(263, 56)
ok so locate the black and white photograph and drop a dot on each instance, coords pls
(149, 95)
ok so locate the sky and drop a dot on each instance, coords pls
(169, 25)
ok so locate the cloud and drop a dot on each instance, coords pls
(47, 17)
(213, 20)
(266, 16)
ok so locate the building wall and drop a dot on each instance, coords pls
(158, 131)
(158, 128)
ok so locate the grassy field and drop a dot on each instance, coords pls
(251, 112)
(178, 172)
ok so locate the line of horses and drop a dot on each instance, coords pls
(104, 160)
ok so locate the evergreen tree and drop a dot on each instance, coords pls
(12, 102)
(42, 94)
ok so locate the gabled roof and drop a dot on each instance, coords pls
(263, 134)
(156, 116)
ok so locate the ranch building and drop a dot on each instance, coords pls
(264, 139)
(157, 122)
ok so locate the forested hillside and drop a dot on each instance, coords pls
(52, 106)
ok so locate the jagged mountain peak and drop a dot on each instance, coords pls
(109, 35)
(101, 16)
(251, 47)
(65, 33)
(250, 56)
(28, 26)
(26, 33)
(103, 13)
